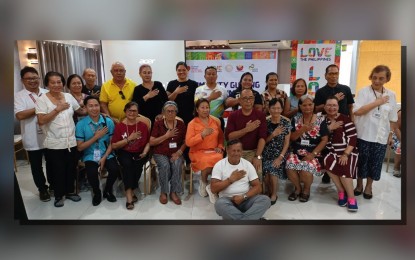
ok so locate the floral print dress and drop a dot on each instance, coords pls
(305, 144)
(273, 149)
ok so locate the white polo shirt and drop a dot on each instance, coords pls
(32, 135)
(60, 132)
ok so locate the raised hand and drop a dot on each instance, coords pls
(180, 90)
(335, 124)
(172, 132)
(251, 126)
(207, 131)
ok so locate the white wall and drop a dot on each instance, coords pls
(161, 55)
(346, 67)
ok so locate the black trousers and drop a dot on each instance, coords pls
(91, 169)
(63, 164)
(35, 159)
(131, 169)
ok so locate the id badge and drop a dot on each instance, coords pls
(376, 114)
(305, 142)
(97, 155)
(172, 145)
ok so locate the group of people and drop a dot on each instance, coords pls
(270, 136)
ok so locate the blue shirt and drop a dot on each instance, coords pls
(85, 130)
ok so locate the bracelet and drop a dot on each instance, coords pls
(282, 156)
(179, 152)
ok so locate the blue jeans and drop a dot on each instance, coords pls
(169, 172)
(251, 209)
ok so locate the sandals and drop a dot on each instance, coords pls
(129, 205)
(357, 192)
(135, 199)
(293, 196)
(304, 197)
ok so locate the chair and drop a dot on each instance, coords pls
(18, 146)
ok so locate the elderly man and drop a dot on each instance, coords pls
(116, 93)
(236, 181)
(32, 135)
(90, 88)
(248, 125)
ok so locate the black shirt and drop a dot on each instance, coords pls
(323, 93)
(153, 106)
(186, 100)
(95, 89)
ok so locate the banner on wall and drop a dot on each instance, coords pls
(231, 65)
(309, 60)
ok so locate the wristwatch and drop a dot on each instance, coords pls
(259, 157)
(245, 196)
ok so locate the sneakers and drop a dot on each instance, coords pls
(397, 173)
(212, 197)
(343, 202)
(326, 178)
(44, 195)
(109, 196)
(352, 205)
(58, 202)
(74, 197)
(202, 189)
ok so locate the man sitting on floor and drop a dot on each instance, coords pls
(236, 181)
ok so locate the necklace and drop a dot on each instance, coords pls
(128, 131)
(311, 119)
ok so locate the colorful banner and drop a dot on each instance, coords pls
(309, 60)
(231, 65)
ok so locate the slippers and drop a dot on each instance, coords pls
(367, 196)
(293, 196)
(304, 197)
(135, 199)
(163, 198)
(274, 201)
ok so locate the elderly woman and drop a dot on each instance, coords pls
(309, 135)
(298, 89)
(206, 141)
(74, 84)
(131, 139)
(341, 161)
(271, 92)
(277, 143)
(375, 117)
(167, 138)
(54, 111)
(149, 95)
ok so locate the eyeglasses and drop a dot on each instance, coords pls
(170, 111)
(122, 94)
(248, 98)
(31, 79)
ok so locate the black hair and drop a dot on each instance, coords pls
(52, 74)
(331, 66)
(130, 104)
(27, 69)
(274, 101)
(267, 77)
(71, 77)
(198, 103)
(233, 141)
(89, 98)
(210, 67)
(242, 76)
(332, 97)
(181, 63)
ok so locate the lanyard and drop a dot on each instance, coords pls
(33, 99)
(374, 93)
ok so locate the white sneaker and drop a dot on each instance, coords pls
(202, 189)
(212, 197)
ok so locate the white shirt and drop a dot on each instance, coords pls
(60, 132)
(32, 135)
(374, 126)
(217, 106)
(223, 169)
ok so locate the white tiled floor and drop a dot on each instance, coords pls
(385, 205)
